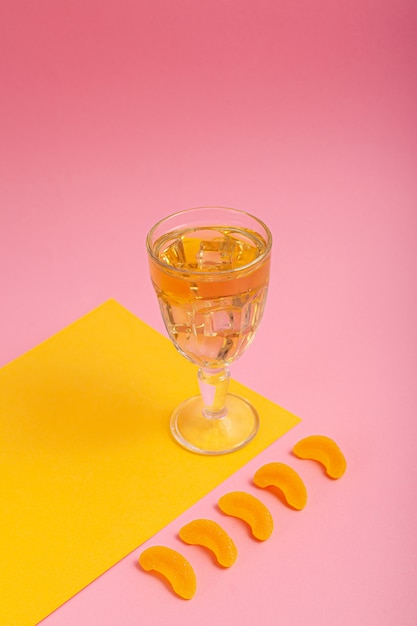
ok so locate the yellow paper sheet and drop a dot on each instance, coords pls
(88, 468)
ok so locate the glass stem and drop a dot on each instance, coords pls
(214, 384)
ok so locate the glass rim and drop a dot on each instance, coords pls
(225, 272)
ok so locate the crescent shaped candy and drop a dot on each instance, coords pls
(324, 450)
(173, 567)
(248, 508)
(286, 480)
(210, 535)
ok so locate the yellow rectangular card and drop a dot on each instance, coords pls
(88, 468)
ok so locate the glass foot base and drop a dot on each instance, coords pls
(217, 435)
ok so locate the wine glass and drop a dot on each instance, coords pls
(210, 270)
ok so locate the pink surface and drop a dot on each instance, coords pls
(114, 114)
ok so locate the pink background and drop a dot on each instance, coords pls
(113, 114)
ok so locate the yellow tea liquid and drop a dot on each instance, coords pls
(211, 285)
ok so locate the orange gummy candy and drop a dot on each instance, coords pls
(173, 567)
(286, 480)
(248, 508)
(324, 450)
(210, 535)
